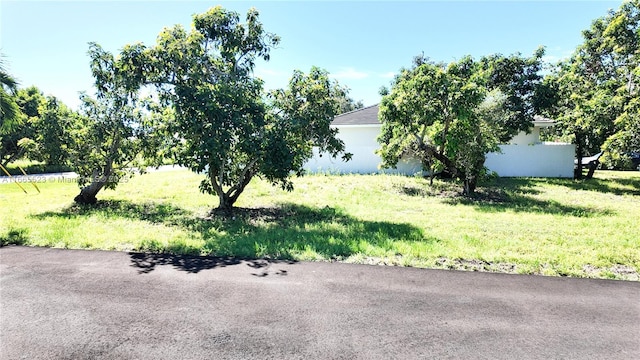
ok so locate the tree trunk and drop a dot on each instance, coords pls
(577, 174)
(448, 164)
(225, 204)
(469, 186)
(10, 159)
(88, 193)
(227, 199)
(428, 166)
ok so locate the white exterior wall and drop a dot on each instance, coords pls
(525, 156)
(361, 142)
(527, 139)
(539, 160)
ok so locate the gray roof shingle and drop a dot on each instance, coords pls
(369, 116)
(364, 116)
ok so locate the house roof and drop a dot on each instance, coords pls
(365, 116)
(369, 116)
(542, 121)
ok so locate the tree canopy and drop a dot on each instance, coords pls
(41, 131)
(347, 104)
(225, 125)
(16, 139)
(9, 110)
(599, 101)
(115, 134)
(451, 115)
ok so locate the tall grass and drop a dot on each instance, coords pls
(535, 226)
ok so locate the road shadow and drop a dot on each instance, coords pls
(259, 235)
(147, 262)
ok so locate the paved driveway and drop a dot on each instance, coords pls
(74, 304)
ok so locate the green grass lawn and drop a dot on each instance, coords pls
(555, 227)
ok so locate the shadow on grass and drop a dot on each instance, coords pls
(149, 211)
(523, 186)
(15, 236)
(607, 186)
(281, 233)
(526, 204)
(517, 194)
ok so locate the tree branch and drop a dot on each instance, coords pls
(243, 177)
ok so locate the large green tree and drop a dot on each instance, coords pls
(48, 123)
(41, 132)
(348, 104)
(451, 116)
(16, 139)
(225, 126)
(599, 87)
(54, 132)
(430, 113)
(9, 110)
(12, 127)
(115, 135)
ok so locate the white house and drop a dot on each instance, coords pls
(525, 155)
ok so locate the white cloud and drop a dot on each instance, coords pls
(350, 74)
(388, 75)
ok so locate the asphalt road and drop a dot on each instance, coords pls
(73, 304)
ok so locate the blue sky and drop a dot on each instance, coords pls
(360, 43)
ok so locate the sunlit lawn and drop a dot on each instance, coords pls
(534, 226)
